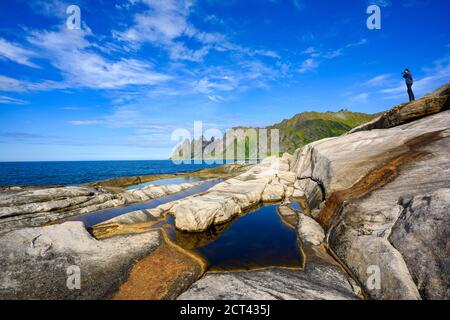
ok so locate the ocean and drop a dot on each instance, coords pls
(78, 172)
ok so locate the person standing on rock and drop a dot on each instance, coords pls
(409, 83)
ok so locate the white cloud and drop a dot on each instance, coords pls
(362, 97)
(215, 98)
(266, 53)
(9, 100)
(72, 54)
(12, 84)
(309, 65)
(228, 46)
(248, 73)
(87, 61)
(208, 85)
(310, 51)
(52, 8)
(85, 122)
(16, 53)
(435, 76)
(164, 25)
(380, 3)
(316, 57)
(333, 54)
(378, 80)
(339, 52)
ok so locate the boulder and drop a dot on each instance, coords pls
(432, 103)
(30, 207)
(228, 199)
(318, 282)
(422, 236)
(310, 231)
(37, 263)
(197, 214)
(365, 176)
(273, 192)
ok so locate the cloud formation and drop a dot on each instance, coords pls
(73, 54)
(435, 75)
(316, 57)
(17, 54)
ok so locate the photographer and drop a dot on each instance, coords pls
(409, 83)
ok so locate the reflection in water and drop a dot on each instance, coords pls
(296, 206)
(189, 240)
(255, 240)
(165, 182)
(93, 218)
(258, 239)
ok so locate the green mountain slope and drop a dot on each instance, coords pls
(295, 132)
(307, 127)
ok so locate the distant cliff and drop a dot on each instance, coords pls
(294, 133)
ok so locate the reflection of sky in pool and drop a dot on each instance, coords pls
(164, 182)
(91, 219)
(258, 239)
(296, 206)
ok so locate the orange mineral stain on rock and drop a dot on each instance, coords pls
(102, 231)
(376, 179)
(164, 274)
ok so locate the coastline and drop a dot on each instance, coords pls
(360, 206)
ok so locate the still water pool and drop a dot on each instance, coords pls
(93, 218)
(165, 182)
(255, 240)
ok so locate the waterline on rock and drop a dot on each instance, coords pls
(94, 218)
(164, 182)
(253, 241)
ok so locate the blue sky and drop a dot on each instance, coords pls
(139, 69)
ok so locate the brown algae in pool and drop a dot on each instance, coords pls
(256, 240)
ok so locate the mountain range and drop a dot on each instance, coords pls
(294, 133)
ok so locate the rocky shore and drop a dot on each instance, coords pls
(382, 194)
(27, 208)
(375, 202)
(35, 206)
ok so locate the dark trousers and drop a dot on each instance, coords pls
(410, 92)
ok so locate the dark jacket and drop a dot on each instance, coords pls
(408, 77)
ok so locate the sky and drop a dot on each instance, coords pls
(137, 70)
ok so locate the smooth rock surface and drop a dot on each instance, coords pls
(310, 231)
(316, 283)
(268, 181)
(366, 176)
(29, 207)
(312, 189)
(34, 262)
(433, 103)
(422, 236)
